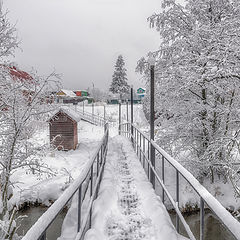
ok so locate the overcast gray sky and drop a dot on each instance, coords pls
(81, 39)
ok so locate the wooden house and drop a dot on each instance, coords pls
(63, 129)
(141, 93)
(81, 93)
(65, 96)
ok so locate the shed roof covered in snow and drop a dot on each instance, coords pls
(72, 114)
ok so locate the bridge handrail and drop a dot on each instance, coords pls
(38, 230)
(96, 119)
(93, 118)
(224, 216)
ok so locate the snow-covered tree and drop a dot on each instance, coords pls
(98, 94)
(198, 81)
(119, 83)
(22, 105)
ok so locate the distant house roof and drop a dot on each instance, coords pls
(18, 74)
(79, 93)
(72, 114)
(141, 90)
(67, 93)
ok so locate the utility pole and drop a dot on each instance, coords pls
(132, 113)
(151, 62)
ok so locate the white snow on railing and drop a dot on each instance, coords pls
(48, 217)
(225, 217)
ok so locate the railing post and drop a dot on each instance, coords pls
(79, 207)
(163, 179)
(127, 109)
(140, 147)
(92, 111)
(148, 169)
(43, 237)
(137, 141)
(91, 189)
(177, 199)
(144, 142)
(119, 116)
(91, 192)
(201, 219)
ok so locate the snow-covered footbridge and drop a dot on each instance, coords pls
(113, 198)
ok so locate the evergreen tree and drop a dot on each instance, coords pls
(119, 79)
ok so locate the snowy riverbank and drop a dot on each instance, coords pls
(44, 189)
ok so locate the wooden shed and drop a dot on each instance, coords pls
(63, 129)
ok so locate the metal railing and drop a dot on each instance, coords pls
(142, 145)
(86, 187)
(96, 119)
(92, 118)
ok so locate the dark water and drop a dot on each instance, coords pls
(214, 230)
(33, 214)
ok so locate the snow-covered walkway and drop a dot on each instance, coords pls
(127, 206)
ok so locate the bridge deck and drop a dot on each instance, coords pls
(127, 207)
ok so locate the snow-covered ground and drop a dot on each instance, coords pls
(67, 165)
(31, 188)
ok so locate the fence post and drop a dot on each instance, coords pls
(92, 111)
(127, 109)
(119, 116)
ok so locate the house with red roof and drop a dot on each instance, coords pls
(17, 74)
